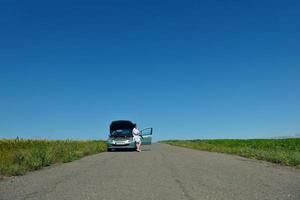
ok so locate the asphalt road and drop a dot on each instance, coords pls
(162, 172)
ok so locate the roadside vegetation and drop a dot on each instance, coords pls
(19, 156)
(281, 151)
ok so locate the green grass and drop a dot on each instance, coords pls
(20, 156)
(282, 151)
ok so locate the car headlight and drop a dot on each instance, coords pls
(111, 141)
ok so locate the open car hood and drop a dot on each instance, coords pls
(120, 124)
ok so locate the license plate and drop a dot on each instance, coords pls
(120, 142)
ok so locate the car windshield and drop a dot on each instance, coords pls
(122, 132)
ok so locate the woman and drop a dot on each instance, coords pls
(137, 137)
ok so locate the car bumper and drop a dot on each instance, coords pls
(130, 145)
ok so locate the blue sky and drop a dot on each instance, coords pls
(189, 69)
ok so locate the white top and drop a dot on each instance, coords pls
(135, 132)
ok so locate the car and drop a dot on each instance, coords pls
(120, 135)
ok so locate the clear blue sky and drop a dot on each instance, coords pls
(190, 69)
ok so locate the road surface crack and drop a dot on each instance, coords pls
(174, 175)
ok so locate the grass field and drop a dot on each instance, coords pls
(282, 151)
(19, 156)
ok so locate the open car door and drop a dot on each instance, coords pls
(146, 136)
